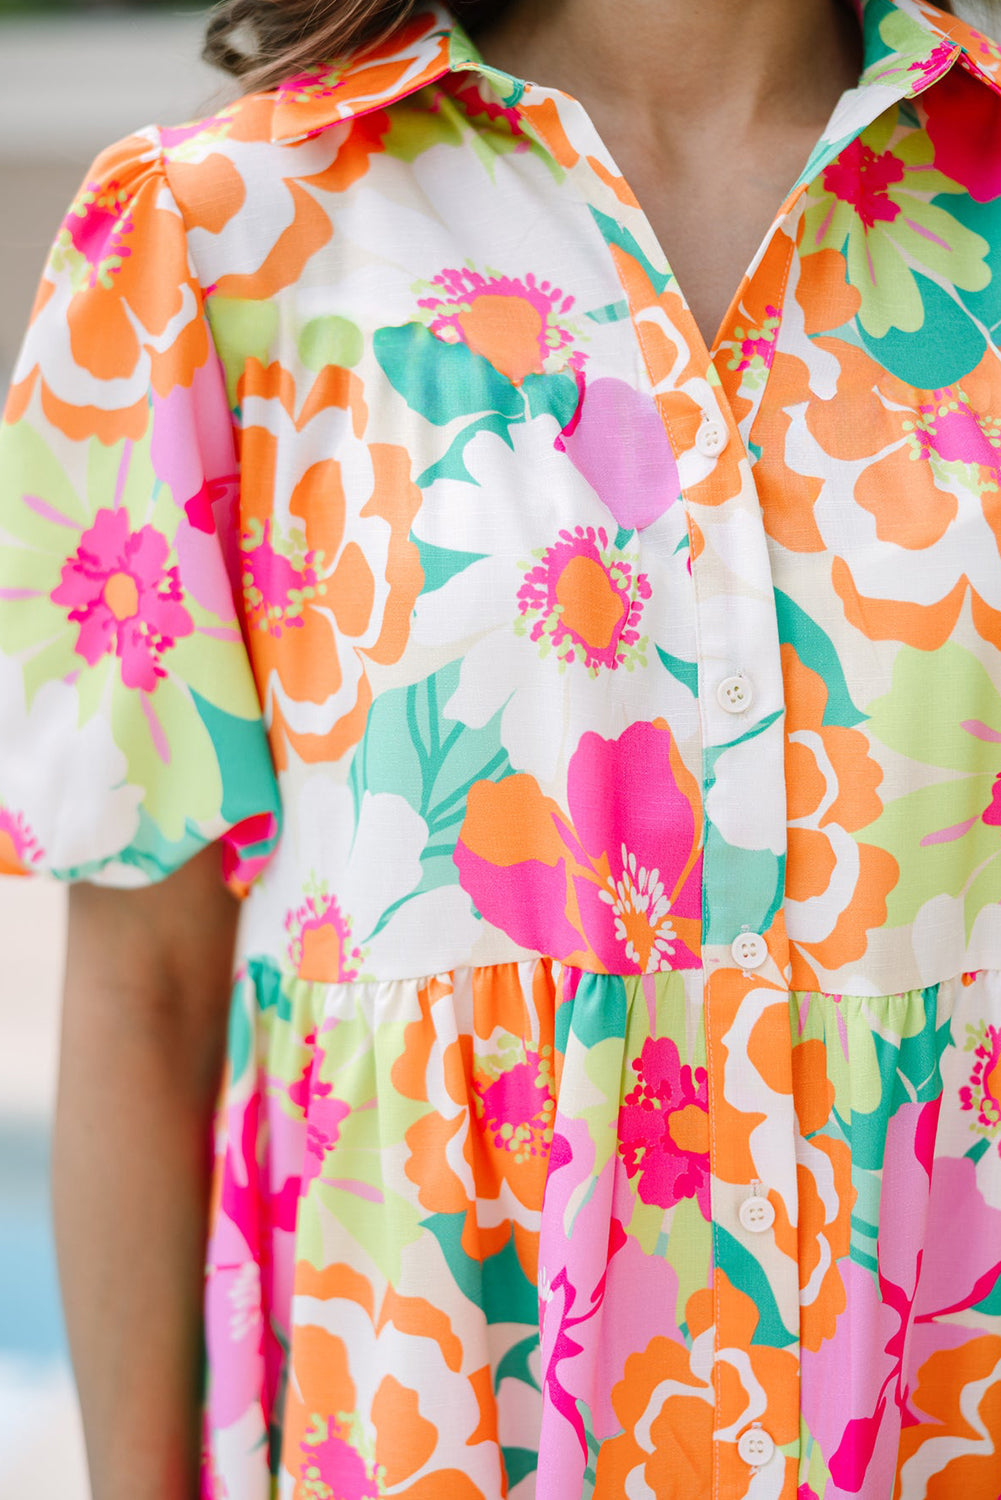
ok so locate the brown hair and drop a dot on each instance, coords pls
(262, 42)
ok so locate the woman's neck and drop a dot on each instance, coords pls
(675, 63)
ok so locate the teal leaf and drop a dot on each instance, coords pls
(946, 347)
(752, 893)
(815, 650)
(612, 312)
(551, 395)
(983, 219)
(615, 233)
(241, 747)
(713, 753)
(517, 1463)
(453, 465)
(443, 381)
(412, 750)
(743, 1271)
(599, 1009)
(240, 1033)
(442, 563)
(497, 1284)
(150, 852)
(515, 1363)
(624, 536)
(266, 978)
(687, 672)
(909, 1072)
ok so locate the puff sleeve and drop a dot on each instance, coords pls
(130, 725)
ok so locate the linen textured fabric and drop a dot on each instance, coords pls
(605, 733)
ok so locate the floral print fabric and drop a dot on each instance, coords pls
(605, 732)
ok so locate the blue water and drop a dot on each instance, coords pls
(31, 1323)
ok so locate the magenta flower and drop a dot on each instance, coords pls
(124, 598)
(862, 178)
(911, 1309)
(334, 1463)
(615, 884)
(664, 1127)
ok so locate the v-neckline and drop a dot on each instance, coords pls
(831, 141)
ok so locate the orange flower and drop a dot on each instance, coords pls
(703, 1405)
(120, 276)
(924, 448)
(499, 1084)
(960, 1389)
(817, 1242)
(330, 575)
(832, 783)
(333, 1448)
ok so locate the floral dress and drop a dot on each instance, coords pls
(605, 733)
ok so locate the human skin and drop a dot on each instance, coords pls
(143, 1036)
(710, 110)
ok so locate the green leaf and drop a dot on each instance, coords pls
(517, 1463)
(929, 869)
(412, 750)
(951, 679)
(330, 341)
(743, 1271)
(815, 650)
(497, 1284)
(442, 563)
(686, 672)
(551, 395)
(452, 465)
(443, 381)
(515, 1363)
(241, 330)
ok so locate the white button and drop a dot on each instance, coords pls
(735, 693)
(749, 950)
(755, 1446)
(756, 1215)
(711, 438)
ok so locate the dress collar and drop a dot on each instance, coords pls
(909, 45)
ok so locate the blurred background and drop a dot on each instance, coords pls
(73, 78)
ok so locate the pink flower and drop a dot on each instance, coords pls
(862, 178)
(124, 598)
(585, 601)
(19, 848)
(897, 1318)
(248, 1291)
(664, 1127)
(517, 1105)
(336, 1465)
(521, 325)
(321, 940)
(616, 886)
(983, 1092)
(602, 1297)
(963, 128)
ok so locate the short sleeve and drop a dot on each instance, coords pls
(130, 725)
